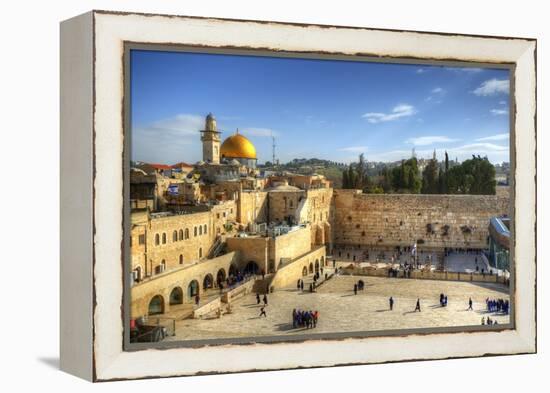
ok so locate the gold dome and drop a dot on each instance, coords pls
(237, 146)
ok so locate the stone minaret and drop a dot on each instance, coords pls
(210, 141)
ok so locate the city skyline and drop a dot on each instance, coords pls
(379, 109)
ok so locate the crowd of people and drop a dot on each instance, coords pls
(498, 305)
(235, 280)
(304, 318)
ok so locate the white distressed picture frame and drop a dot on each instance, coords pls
(92, 155)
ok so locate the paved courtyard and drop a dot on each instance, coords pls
(342, 311)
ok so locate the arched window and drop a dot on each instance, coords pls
(205, 229)
(176, 296)
(157, 239)
(136, 274)
(181, 259)
(164, 238)
(186, 233)
(200, 252)
(162, 265)
(156, 305)
(181, 234)
(195, 231)
(175, 236)
(200, 229)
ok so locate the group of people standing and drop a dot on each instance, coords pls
(307, 319)
(498, 305)
(489, 321)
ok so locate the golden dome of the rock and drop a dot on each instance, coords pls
(237, 146)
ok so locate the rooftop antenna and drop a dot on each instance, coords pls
(273, 147)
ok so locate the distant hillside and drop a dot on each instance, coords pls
(330, 169)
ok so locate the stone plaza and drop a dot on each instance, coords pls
(342, 311)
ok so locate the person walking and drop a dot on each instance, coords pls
(257, 298)
(355, 289)
(265, 299)
(391, 303)
(302, 285)
(262, 312)
(470, 304)
(417, 308)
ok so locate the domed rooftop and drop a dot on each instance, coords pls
(237, 146)
(210, 123)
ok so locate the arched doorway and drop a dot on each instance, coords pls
(208, 282)
(319, 235)
(327, 230)
(311, 268)
(176, 296)
(316, 266)
(220, 276)
(232, 270)
(193, 289)
(156, 305)
(304, 271)
(252, 268)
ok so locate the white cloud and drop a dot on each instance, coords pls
(478, 148)
(183, 124)
(438, 90)
(259, 132)
(468, 70)
(430, 140)
(495, 153)
(493, 87)
(499, 111)
(354, 149)
(166, 140)
(502, 102)
(497, 137)
(420, 71)
(399, 111)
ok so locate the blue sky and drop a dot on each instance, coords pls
(316, 108)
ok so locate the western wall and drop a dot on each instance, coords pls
(433, 221)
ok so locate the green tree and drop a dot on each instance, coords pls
(430, 180)
(345, 180)
(473, 176)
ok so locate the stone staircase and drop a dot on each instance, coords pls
(217, 248)
(261, 285)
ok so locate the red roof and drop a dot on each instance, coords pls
(161, 166)
(180, 164)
